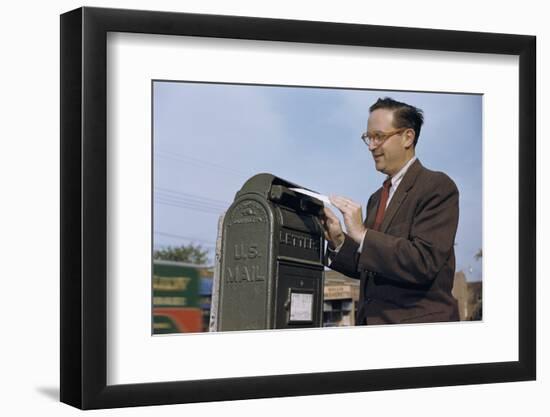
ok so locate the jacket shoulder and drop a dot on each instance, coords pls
(437, 179)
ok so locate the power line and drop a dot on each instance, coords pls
(184, 237)
(192, 196)
(191, 200)
(200, 162)
(208, 243)
(189, 206)
(185, 201)
(193, 203)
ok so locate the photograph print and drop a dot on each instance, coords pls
(281, 207)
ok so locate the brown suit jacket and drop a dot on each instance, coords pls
(407, 268)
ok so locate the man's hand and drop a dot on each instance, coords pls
(353, 216)
(333, 229)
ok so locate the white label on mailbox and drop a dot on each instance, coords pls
(301, 307)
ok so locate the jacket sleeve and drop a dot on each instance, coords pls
(419, 258)
(345, 261)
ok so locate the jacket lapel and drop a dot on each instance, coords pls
(400, 194)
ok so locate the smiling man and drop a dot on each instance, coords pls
(403, 253)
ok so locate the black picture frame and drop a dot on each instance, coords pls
(84, 207)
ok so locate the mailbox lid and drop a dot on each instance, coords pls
(261, 184)
(277, 190)
(303, 222)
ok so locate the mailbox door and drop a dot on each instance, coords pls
(299, 295)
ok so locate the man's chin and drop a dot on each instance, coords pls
(379, 166)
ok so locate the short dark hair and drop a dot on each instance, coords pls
(404, 115)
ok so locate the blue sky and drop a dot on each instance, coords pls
(210, 138)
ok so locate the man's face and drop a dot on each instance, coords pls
(391, 155)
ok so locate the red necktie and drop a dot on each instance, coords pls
(382, 205)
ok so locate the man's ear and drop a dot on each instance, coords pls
(409, 138)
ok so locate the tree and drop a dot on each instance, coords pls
(191, 253)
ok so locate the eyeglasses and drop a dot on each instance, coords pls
(377, 138)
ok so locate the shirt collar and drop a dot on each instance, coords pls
(397, 177)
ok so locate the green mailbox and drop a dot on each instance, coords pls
(271, 260)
